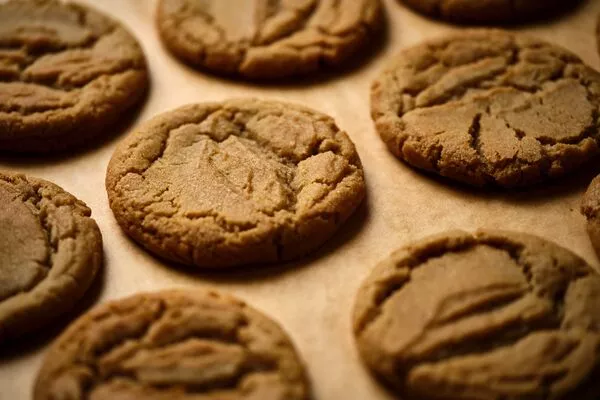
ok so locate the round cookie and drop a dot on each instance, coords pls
(239, 182)
(50, 251)
(489, 107)
(494, 315)
(173, 345)
(484, 11)
(67, 73)
(262, 39)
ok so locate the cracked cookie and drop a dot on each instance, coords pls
(494, 315)
(67, 73)
(173, 345)
(233, 183)
(489, 107)
(484, 11)
(264, 39)
(590, 207)
(50, 251)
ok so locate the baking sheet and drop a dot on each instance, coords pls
(311, 298)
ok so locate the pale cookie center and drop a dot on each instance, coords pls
(24, 250)
(241, 171)
(236, 178)
(440, 304)
(250, 21)
(237, 18)
(502, 124)
(39, 26)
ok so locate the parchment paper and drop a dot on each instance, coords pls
(312, 298)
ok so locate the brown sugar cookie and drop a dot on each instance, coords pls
(489, 107)
(484, 11)
(67, 73)
(173, 345)
(266, 39)
(494, 315)
(239, 182)
(50, 251)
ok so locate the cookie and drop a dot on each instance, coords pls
(590, 207)
(233, 183)
(484, 11)
(494, 315)
(50, 251)
(173, 345)
(67, 73)
(489, 107)
(261, 39)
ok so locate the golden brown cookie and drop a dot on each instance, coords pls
(173, 345)
(489, 107)
(50, 251)
(67, 73)
(494, 315)
(266, 39)
(239, 182)
(590, 207)
(485, 11)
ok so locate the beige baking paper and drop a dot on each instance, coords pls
(311, 298)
